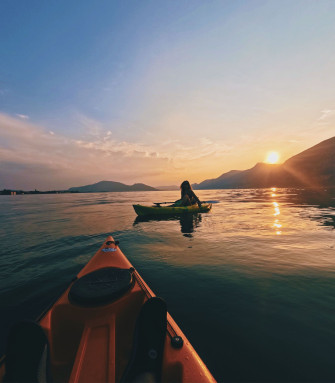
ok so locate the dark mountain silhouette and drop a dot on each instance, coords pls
(168, 187)
(314, 167)
(110, 186)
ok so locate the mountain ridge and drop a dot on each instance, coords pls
(313, 167)
(111, 186)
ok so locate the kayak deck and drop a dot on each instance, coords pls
(159, 210)
(92, 342)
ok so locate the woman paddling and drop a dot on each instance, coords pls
(188, 196)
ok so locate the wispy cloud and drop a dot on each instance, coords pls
(33, 156)
(326, 114)
(22, 116)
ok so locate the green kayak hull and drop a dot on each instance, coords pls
(160, 210)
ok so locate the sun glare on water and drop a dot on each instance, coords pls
(272, 158)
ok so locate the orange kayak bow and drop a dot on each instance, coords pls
(108, 326)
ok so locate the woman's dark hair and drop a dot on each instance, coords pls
(185, 186)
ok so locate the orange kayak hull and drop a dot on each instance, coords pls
(94, 343)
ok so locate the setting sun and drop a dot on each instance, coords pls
(272, 158)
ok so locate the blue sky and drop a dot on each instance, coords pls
(160, 91)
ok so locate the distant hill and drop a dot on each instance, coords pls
(111, 186)
(168, 188)
(314, 167)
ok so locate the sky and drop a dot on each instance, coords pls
(158, 91)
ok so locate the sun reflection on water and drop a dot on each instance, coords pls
(276, 225)
(276, 207)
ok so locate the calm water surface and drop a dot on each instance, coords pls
(251, 284)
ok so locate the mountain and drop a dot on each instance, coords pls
(110, 186)
(314, 167)
(168, 188)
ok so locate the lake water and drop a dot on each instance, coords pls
(251, 284)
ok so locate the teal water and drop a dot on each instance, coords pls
(251, 284)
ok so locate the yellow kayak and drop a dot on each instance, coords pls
(159, 210)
